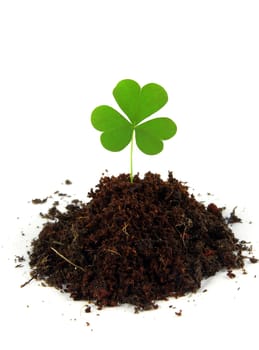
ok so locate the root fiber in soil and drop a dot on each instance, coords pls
(134, 243)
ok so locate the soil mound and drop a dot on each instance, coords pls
(134, 243)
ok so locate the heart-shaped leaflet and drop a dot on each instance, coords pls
(137, 104)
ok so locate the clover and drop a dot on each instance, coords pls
(138, 104)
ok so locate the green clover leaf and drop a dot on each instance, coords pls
(138, 104)
(117, 131)
(150, 134)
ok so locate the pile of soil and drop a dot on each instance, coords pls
(134, 243)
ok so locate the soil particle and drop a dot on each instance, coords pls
(19, 258)
(230, 274)
(62, 194)
(134, 243)
(178, 313)
(51, 214)
(18, 261)
(39, 201)
(233, 218)
(88, 309)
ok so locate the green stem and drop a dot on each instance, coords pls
(131, 157)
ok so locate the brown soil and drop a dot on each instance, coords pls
(134, 243)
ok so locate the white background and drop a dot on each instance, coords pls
(58, 61)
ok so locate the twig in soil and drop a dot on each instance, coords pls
(112, 251)
(67, 260)
(124, 229)
(74, 232)
(27, 282)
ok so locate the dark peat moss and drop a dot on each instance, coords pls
(134, 243)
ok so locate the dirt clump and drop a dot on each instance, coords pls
(134, 243)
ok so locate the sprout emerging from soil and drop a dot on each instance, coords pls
(138, 104)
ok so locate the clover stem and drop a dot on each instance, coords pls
(131, 158)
